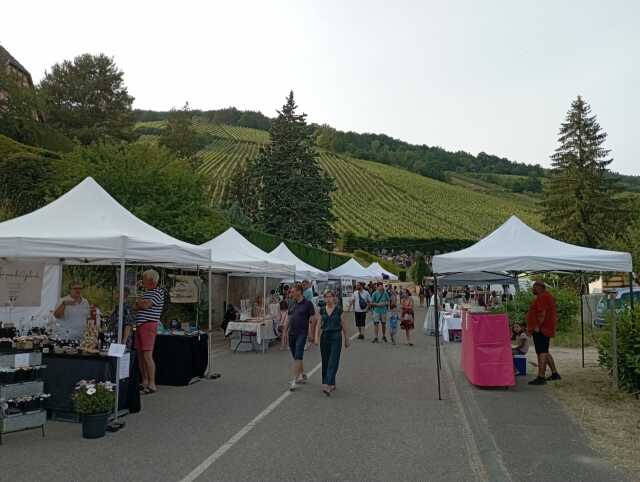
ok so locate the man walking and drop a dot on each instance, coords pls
(360, 302)
(541, 323)
(301, 314)
(380, 304)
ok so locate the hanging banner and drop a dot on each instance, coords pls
(185, 289)
(21, 283)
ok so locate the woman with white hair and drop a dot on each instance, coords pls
(149, 308)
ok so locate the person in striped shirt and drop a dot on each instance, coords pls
(149, 309)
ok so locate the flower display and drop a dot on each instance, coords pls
(91, 397)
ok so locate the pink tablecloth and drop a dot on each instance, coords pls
(486, 350)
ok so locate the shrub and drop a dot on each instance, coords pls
(567, 303)
(628, 344)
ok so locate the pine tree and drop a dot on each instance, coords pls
(580, 205)
(292, 195)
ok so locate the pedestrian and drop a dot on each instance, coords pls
(421, 293)
(308, 290)
(407, 317)
(301, 313)
(148, 311)
(541, 324)
(380, 305)
(331, 328)
(360, 302)
(283, 322)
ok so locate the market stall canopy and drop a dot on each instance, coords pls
(87, 225)
(514, 246)
(350, 270)
(378, 272)
(233, 249)
(462, 279)
(303, 270)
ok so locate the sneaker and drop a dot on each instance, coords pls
(375, 340)
(538, 381)
(384, 338)
(554, 376)
(305, 377)
(360, 337)
(292, 386)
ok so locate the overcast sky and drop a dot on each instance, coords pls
(474, 75)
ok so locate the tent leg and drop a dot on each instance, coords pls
(437, 327)
(120, 323)
(210, 373)
(582, 316)
(631, 300)
(226, 299)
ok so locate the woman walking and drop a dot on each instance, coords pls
(331, 328)
(407, 316)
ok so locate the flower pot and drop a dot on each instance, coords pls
(95, 425)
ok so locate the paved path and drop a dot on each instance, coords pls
(383, 423)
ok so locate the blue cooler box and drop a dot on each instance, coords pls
(520, 364)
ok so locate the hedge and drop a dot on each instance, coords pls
(628, 345)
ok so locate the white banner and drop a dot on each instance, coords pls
(185, 289)
(21, 283)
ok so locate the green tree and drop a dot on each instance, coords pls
(27, 181)
(419, 269)
(580, 205)
(179, 134)
(86, 98)
(153, 184)
(292, 193)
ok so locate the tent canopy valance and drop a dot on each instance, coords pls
(233, 250)
(463, 279)
(515, 247)
(303, 270)
(378, 272)
(87, 225)
(350, 270)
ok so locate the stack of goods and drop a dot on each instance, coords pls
(89, 344)
(21, 392)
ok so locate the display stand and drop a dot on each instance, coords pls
(30, 418)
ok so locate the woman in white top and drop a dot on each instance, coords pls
(73, 312)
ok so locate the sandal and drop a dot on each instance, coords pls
(326, 392)
(148, 391)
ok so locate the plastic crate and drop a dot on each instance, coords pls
(13, 423)
(19, 389)
(9, 361)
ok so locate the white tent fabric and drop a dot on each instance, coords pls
(378, 272)
(87, 225)
(350, 270)
(234, 250)
(303, 270)
(462, 279)
(514, 246)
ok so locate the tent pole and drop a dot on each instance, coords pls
(120, 323)
(437, 327)
(582, 315)
(210, 341)
(264, 296)
(226, 299)
(631, 300)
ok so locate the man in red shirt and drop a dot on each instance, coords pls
(541, 323)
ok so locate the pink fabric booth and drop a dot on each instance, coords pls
(486, 350)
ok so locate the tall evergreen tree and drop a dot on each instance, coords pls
(179, 134)
(291, 193)
(580, 205)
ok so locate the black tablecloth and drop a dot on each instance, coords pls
(180, 358)
(64, 371)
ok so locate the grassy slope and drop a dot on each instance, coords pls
(373, 199)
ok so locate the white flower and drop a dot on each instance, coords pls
(91, 391)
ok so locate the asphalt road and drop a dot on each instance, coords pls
(384, 422)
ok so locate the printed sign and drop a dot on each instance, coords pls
(21, 283)
(185, 289)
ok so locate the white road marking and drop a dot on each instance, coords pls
(224, 448)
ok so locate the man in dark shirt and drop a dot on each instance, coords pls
(301, 313)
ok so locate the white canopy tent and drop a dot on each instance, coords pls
(378, 272)
(350, 270)
(462, 279)
(88, 226)
(303, 270)
(235, 251)
(515, 247)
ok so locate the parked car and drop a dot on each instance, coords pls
(621, 301)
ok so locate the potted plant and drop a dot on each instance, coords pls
(94, 401)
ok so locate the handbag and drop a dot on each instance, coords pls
(363, 303)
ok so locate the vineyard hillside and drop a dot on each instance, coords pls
(373, 200)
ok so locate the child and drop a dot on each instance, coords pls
(393, 324)
(521, 339)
